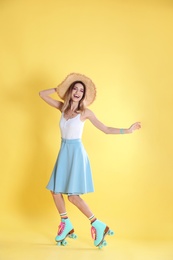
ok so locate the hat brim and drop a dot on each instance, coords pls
(90, 93)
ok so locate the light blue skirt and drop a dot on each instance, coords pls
(72, 172)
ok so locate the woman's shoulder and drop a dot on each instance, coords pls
(86, 114)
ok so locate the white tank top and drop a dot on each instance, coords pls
(71, 128)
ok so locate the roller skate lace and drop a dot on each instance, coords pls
(93, 233)
(61, 228)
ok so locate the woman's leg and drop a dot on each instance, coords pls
(65, 228)
(59, 202)
(82, 206)
(98, 228)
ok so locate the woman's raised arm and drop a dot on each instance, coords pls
(45, 95)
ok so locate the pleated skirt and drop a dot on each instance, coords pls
(72, 171)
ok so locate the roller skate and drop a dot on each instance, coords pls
(98, 232)
(65, 229)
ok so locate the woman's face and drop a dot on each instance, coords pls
(77, 92)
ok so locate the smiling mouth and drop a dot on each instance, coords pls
(76, 96)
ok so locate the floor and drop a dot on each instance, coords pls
(37, 245)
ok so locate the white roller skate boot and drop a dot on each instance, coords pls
(65, 229)
(98, 232)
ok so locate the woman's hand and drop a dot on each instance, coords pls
(134, 127)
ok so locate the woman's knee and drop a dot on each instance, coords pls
(56, 195)
(73, 198)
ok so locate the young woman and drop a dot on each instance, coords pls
(72, 173)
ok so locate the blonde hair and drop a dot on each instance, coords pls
(67, 98)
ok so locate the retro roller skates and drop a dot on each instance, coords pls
(98, 232)
(65, 229)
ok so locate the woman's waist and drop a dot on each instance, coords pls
(71, 141)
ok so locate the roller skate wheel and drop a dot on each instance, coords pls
(64, 243)
(110, 232)
(73, 236)
(104, 243)
(58, 243)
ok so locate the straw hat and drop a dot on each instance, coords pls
(90, 93)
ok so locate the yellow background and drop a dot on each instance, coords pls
(126, 48)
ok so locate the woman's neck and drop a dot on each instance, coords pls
(74, 106)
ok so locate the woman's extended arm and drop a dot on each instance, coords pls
(110, 130)
(45, 95)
